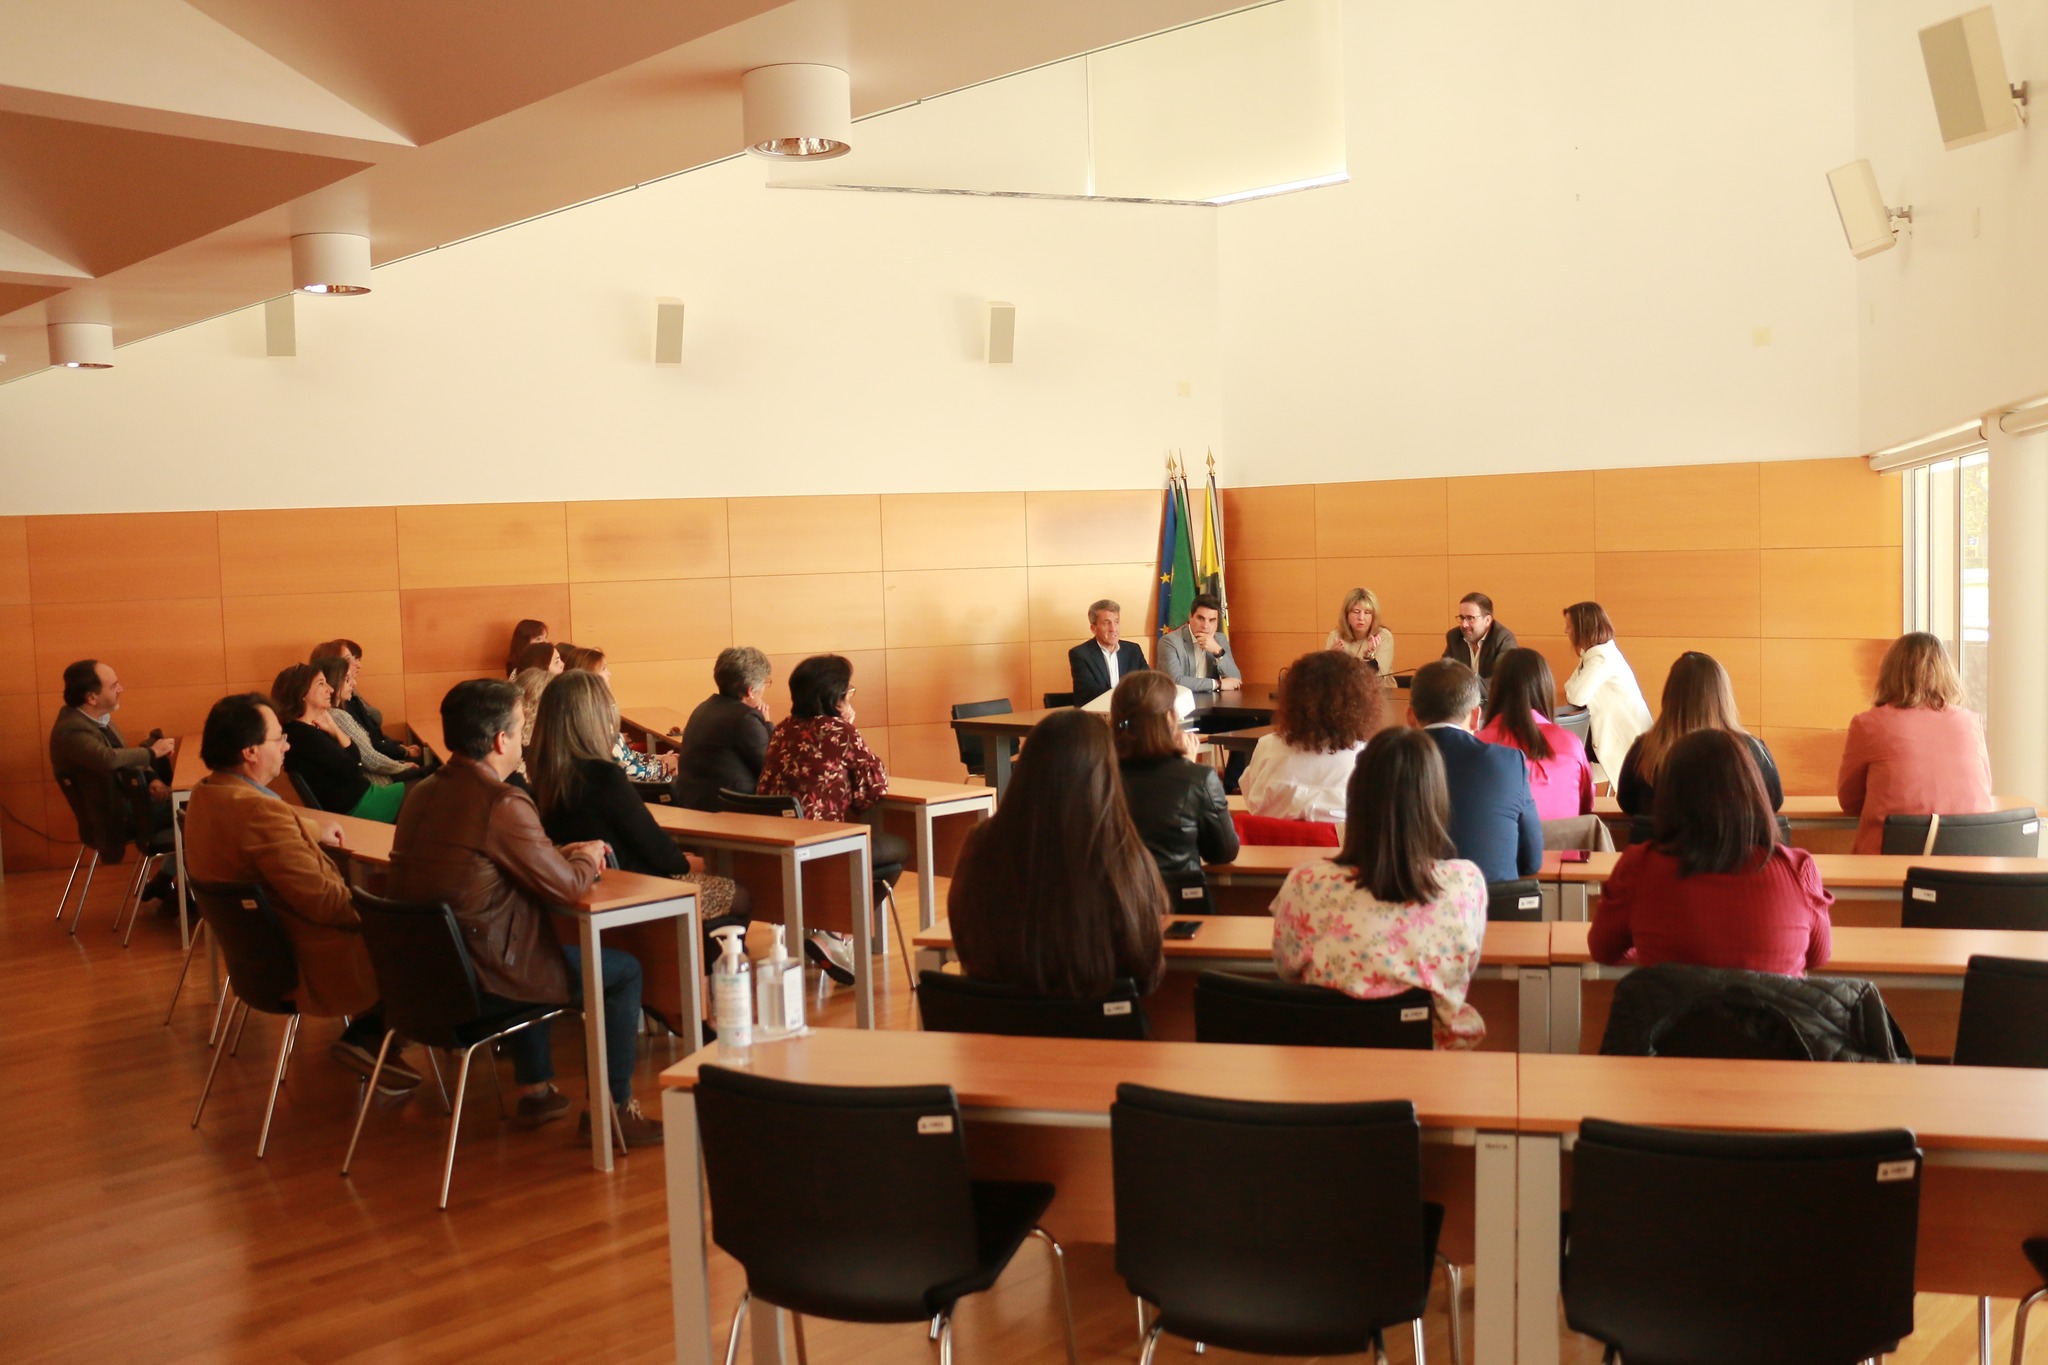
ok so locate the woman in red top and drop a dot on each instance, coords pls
(1916, 751)
(1713, 887)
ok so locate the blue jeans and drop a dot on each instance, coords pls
(531, 1051)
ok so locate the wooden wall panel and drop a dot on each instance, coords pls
(423, 693)
(1808, 761)
(385, 691)
(1502, 514)
(870, 679)
(1830, 502)
(14, 577)
(1684, 507)
(1529, 592)
(148, 643)
(636, 622)
(468, 630)
(22, 849)
(1269, 523)
(1853, 593)
(18, 661)
(809, 535)
(1262, 654)
(1818, 684)
(1412, 591)
(646, 538)
(482, 545)
(1681, 592)
(928, 607)
(1118, 526)
(924, 684)
(1274, 595)
(1651, 656)
(1060, 595)
(931, 752)
(266, 553)
(1555, 649)
(1391, 517)
(175, 710)
(263, 634)
(1049, 669)
(808, 613)
(24, 742)
(122, 556)
(678, 684)
(953, 530)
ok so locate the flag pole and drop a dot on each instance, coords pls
(1216, 530)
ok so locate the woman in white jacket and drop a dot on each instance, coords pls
(1604, 684)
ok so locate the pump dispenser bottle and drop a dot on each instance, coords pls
(779, 986)
(732, 996)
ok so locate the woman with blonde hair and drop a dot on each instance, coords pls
(1604, 684)
(1916, 751)
(1359, 632)
(583, 795)
(1697, 696)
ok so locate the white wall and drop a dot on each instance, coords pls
(1563, 224)
(1954, 320)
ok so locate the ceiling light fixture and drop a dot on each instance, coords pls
(82, 345)
(331, 263)
(797, 112)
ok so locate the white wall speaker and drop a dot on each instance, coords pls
(1866, 222)
(1002, 333)
(668, 331)
(281, 326)
(1972, 99)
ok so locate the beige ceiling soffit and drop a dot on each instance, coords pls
(25, 263)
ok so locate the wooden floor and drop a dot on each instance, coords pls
(127, 1236)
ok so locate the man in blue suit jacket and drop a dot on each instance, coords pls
(1493, 814)
(1099, 664)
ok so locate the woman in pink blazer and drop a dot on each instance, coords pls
(1916, 751)
(1521, 711)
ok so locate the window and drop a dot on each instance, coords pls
(1948, 563)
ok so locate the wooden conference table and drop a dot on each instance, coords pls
(1221, 712)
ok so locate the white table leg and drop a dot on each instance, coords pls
(593, 1045)
(860, 873)
(1539, 1174)
(1493, 1296)
(689, 1259)
(927, 857)
(690, 951)
(178, 803)
(1572, 904)
(1533, 1011)
(1566, 1033)
(771, 1330)
(793, 904)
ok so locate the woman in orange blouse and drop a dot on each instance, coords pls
(1916, 751)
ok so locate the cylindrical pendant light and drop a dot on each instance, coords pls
(798, 112)
(331, 263)
(82, 345)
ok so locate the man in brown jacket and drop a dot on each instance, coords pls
(467, 837)
(238, 830)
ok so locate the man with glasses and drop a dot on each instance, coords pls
(1477, 640)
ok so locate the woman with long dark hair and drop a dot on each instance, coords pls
(1393, 909)
(1056, 894)
(1604, 684)
(1521, 713)
(1177, 804)
(1697, 696)
(527, 632)
(1713, 887)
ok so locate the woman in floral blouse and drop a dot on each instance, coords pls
(1390, 911)
(817, 756)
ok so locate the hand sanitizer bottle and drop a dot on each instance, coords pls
(779, 986)
(732, 996)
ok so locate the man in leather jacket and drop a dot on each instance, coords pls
(467, 837)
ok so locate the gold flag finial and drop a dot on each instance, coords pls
(1212, 463)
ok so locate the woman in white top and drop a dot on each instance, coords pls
(1359, 632)
(1329, 706)
(1604, 684)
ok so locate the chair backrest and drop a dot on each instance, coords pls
(1187, 893)
(972, 752)
(2012, 833)
(1517, 902)
(94, 809)
(848, 1202)
(2005, 1013)
(1939, 899)
(1230, 1008)
(655, 793)
(303, 791)
(1578, 720)
(1689, 1248)
(1057, 699)
(1264, 831)
(1311, 1236)
(424, 976)
(958, 1004)
(137, 816)
(753, 803)
(261, 965)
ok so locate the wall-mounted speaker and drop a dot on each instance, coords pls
(1002, 333)
(1866, 222)
(1972, 99)
(668, 331)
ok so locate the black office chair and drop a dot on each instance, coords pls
(262, 973)
(959, 1004)
(430, 994)
(101, 832)
(1938, 899)
(655, 793)
(1230, 1008)
(1187, 893)
(1579, 721)
(2012, 833)
(1691, 1248)
(973, 753)
(153, 844)
(2036, 1251)
(1058, 699)
(304, 790)
(884, 1224)
(1519, 902)
(1317, 1242)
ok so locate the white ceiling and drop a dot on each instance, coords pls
(157, 155)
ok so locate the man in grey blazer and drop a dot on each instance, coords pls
(87, 749)
(1197, 656)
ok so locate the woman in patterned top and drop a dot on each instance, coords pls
(817, 756)
(1391, 911)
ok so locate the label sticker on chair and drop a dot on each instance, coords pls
(2031, 827)
(1924, 893)
(1191, 893)
(1895, 1170)
(938, 1123)
(248, 905)
(1528, 902)
(1116, 1007)
(1415, 1015)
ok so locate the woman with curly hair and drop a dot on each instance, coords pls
(1329, 706)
